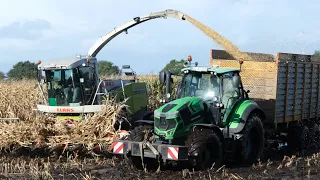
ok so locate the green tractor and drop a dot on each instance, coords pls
(211, 120)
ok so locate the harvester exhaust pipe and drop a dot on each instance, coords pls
(168, 86)
(165, 79)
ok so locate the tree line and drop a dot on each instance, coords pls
(28, 70)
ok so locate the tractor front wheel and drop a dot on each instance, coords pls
(252, 142)
(205, 149)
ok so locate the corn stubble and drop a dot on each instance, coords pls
(19, 98)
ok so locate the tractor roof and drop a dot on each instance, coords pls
(215, 69)
(64, 63)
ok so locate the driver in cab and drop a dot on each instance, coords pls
(68, 89)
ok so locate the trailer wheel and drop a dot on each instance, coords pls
(314, 135)
(298, 137)
(138, 134)
(318, 138)
(205, 148)
(252, 143)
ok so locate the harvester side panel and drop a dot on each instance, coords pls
(137, 96)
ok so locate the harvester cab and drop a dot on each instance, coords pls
(73, 89)
(207, 119)
(69, 83)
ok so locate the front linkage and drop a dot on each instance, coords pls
(150, 150)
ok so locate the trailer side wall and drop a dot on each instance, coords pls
(286, 86)
(298, 89)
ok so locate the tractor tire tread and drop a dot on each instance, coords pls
(253, 121)
(199, 138)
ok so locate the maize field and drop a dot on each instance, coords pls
(24, 142)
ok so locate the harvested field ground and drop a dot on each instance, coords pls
(19, 98)
(99, 168)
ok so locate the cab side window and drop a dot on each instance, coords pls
(228, 91)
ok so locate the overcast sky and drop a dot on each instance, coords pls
(43, 29)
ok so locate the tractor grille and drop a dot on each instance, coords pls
(165, 124)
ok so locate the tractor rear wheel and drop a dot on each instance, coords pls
(252, 142)
(205, 149)
(138, 134)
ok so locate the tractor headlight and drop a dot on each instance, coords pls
(172, 115)
(167, 115)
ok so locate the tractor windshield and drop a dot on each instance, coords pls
(205, 86)
(63, 87)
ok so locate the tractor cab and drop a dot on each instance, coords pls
(204, 95)
(218, 86)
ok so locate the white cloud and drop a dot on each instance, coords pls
(253, 25)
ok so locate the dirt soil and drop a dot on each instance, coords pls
(122, 172)
(275, 165)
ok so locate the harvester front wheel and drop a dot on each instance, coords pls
(252, 143)
(205, 149)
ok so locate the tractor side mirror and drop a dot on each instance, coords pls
(162, 77)
(236, 81)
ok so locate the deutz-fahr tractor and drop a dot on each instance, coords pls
(73, 89)
(210, 120)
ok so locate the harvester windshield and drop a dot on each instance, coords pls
(205, 86)
(63, 87)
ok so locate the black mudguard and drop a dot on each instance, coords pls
(215, 128)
